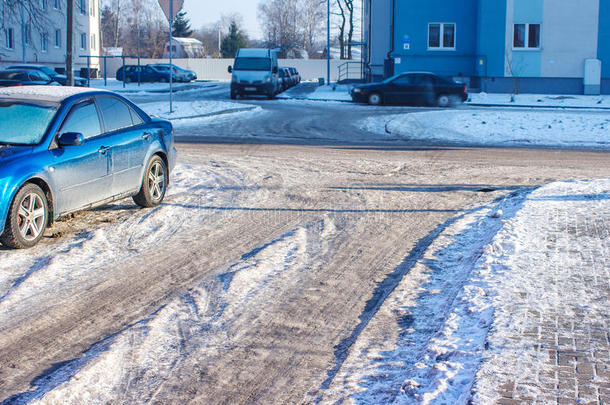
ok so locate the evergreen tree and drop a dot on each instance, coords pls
(182, 26)
(233, 41)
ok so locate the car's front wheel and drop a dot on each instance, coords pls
(27, 218)
(375, 99)
(443, 101)
(154, 184)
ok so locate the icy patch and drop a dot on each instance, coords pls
(200, 108)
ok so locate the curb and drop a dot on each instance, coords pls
(558, 107)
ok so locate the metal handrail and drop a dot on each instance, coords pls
(350, 70)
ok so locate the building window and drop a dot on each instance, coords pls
(57, 38)
(10, 38)
(44, 42)
(93, 41)
(28, 34)
(83, 41)
(82, 6)
(44, 4)
(57, 4)
(441, 36)
(526, 36)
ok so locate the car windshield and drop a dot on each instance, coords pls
(48, 71)
(24, 122)
(252, 64)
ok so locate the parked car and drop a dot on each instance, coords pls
(65, 149)
(412, 88)
(61, 79)
(292, 79)
(255, 71)
(146, 73)
(285, 78)
(295, 73)
(184, 75)
(14, 77)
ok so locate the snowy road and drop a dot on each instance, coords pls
(265, 267)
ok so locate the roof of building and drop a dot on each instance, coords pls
(187, 40)
(46, 93)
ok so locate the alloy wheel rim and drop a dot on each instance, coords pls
(156, 181)
(31, 216)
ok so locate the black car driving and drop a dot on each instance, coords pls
(419, 88)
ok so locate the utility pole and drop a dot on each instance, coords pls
(171, 56)
(70, 43)
(328, 42)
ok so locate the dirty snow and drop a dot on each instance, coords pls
(504, 128)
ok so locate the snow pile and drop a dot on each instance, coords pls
(505, 128)
(194, 109)
(540, 100)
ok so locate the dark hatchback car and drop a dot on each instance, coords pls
(63, 149)
(14, 77)
(147, 73)
(59, 78)
(412, 88)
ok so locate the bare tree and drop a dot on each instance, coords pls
(291, 25)
(342, 21)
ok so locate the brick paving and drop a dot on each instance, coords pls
(554, 346)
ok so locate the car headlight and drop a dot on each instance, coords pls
(268, 79)
(356, 90)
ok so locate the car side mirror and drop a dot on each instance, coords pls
(70, 139)
(230, 69)
(275, 70)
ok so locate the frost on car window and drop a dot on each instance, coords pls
(23, 122)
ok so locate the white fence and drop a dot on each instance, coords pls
(216, 69)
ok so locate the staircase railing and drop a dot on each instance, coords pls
(351, 71)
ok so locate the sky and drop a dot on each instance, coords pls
(203, 12)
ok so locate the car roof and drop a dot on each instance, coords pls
(48, 93)
(25, 65)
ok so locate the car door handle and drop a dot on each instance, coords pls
(147, 136)
(103, 150)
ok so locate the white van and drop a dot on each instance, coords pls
(255, 71)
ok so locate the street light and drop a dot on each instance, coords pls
(328, 42)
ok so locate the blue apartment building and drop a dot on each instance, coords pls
(541, 46)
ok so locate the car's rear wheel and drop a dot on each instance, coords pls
(375, 99)
(443, 101)
(27, 219)
(154, 184)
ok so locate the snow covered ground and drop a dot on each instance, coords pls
(480, 310)
(335, 92)
(194, 109)
(504, 128)
(540, 100)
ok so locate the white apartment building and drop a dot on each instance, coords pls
(41, 38)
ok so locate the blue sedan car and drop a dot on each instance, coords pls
(64, 149)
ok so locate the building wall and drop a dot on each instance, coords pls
(569, 36)
(491, 45)
(603, 43)
(378, 34)
(412, 19)
(87, 23)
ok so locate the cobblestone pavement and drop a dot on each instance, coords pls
(550, 344)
